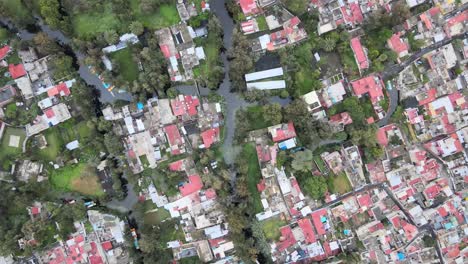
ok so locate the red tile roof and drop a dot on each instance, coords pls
(35, 210)
(284, 133)
(4, 51)
(426, 20)
(397, 44)
(210, 136)
(316, 218)
(287, 238)
(176, 165)
(360, 55)
(432, 191)
(442, 211)
(263, 154)
(210, 193)
(248, 7)
(188, 104)
(431, 96)
(372, 85)
(352, 14)
(382, 134)
(460, 18)
(261, 186)
(49, 113)
(341, 118)
(16, 71)
(307, 229)
(365, 200)
(194, 185)
(106, 245)
(60, 89)
(173, 136)
(165, 50)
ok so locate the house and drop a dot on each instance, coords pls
(7, 95)
(398, 45)
(4, 51)
(176, 141)
(371, 85)
(282, 132)
(457, 24)
(16, 71)
(194, 184)
(209, 137)
(249, 7)
(360, 54)
(339, 121)
(52, 116)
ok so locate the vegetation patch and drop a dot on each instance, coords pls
(80, 178)
(91, 24)
(253, 176)
(17, 8)
(8, 151)
(127, 67)
(166, 15)
(339, 183)
(54, 145)
(155, 217)
(271, 228)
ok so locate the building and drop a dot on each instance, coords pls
(7, 95)
(52, 116)
(398, 45)
(360, 54)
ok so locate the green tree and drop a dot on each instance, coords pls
(136, 28)
(272, 113)
(302, 161)
(113, 144)
(50, 10)
(315, 186)
(111, 37)
(328, 44)
(62, 66)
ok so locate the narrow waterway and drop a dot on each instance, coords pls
(84, 72)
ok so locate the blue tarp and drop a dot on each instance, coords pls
(401, 256)
(140, 106)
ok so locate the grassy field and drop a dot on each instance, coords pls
(79, 178)
(5, 149)
(127, 67)
(262, 24)
(256, 119)
(60, 135)
(91, 24)
(212, 51)
(156, 217)
(3, 35)
(167, 15)
(253, 176)
(339, 183)
(271, 228)
(320, 164)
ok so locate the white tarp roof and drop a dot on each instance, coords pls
(269, 85)
(264, 74)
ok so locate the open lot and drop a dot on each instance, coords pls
(156, 217)
(60, 135)
(271, 228)
(339, 183)
(87, 25)
(128, 69)
(253, 176)
(80, 178)
(166, 15)
(6, 150)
